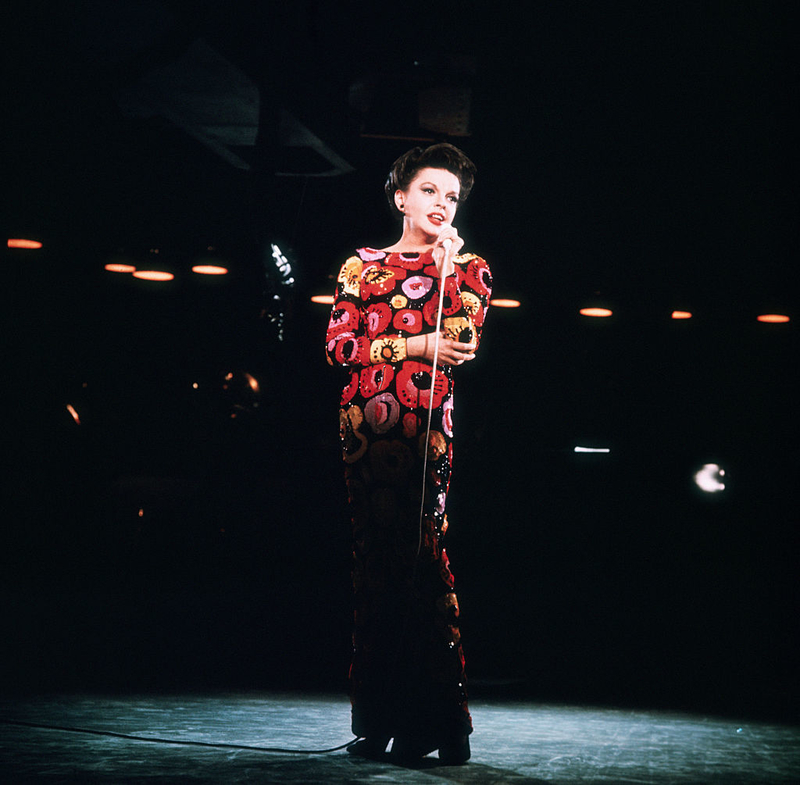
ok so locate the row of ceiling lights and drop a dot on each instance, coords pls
(323, 299)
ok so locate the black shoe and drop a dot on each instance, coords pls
(374, 748)
(409, 753)
(455, 754)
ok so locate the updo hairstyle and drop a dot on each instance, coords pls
(437, 156)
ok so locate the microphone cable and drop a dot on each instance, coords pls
(183, 742)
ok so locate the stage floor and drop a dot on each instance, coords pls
(513, 742)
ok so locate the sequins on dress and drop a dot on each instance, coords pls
(407, 671)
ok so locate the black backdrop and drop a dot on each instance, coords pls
(184, 536)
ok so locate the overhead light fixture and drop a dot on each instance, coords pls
(153, 275)
(601, 313)
(28, 244)
(209, 269)
(773, 318)
(115, 267)
(682, 314)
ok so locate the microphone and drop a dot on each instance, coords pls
(447, 245)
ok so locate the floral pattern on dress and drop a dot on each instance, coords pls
(407, 670)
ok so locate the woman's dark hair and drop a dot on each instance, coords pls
(437, 156)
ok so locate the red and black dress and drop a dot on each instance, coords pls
(407, 672)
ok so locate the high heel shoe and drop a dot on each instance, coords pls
(372, 748)
(408, 753)
(455, 754)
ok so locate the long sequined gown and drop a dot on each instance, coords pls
(407, 671)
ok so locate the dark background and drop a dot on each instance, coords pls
(630, 154)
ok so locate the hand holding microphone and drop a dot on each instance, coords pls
(449, 243)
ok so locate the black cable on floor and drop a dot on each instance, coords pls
(189, 742)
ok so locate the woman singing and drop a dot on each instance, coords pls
(396, 425)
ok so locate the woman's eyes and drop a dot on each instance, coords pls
(427, 190)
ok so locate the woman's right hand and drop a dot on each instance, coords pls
(450, 352)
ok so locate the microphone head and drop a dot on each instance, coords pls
(447, 244)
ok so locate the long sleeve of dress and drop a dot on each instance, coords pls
(355, 336)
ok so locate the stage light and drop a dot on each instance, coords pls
(73, 413)
(253, 382)
(282, 263)
(773, 318)
(323, 299)
(20, 243)
(681, 315)
(209, 269)
(596, 312)
(592, 449)
(153, 275)
(504, 303)
(708, 479)
(115, 267)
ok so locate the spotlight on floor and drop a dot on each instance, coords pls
(709, 478)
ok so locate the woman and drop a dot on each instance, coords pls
(407, 672)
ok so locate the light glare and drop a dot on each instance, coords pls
(597, 312)
(153, 275)
(773, 318)
(708, 478)
(253, 382)
(19, 243)
(681, 315)
(120, 268)
(323, 299)
(209, 269)
(503, 303)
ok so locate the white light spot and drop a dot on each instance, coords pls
(708, 478)
(592, 449)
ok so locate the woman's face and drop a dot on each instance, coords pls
(430, 201)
